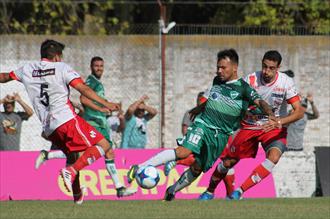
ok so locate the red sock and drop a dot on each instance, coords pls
(259, 173)
(229, 181)
(187, 161)
(88, 157)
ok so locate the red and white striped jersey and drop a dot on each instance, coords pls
(278, 94)
(47, 84)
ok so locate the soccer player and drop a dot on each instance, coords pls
(216, 118)
(47, 83)
(95, 115)
(186, 122)
(278, 90)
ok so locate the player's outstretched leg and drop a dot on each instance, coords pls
(42, 157)
(123, 191)
(218, 175)
(258, 174)
(185, 180)
(68, 175)
(90, 155)
(131, 173)
(168, 166)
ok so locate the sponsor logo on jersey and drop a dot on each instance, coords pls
(92, 134)
(233, 94)
(277, 95)
(42, 73)
(215, 96)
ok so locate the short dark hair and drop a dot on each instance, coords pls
(228, 53)
(50, 48)
(273, 55)
(95, 58)
(289, 73)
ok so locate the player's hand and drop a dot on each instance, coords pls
(113, 106)
(17, 97)
(273, 123)
(105, 110)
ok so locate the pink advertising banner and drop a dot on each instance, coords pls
(20, 181)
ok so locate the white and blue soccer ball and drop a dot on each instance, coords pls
(147, 177)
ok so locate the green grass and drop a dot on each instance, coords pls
(250, 208)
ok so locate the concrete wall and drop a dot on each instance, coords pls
(132, 69)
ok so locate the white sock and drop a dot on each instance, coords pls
(112, 170)
(185, 180)
(160, 158)
(55, 155)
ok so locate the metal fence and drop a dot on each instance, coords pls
(183, 29)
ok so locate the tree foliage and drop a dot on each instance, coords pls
(68, 17)
(285, 15)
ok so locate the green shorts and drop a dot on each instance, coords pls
(105, 133)
(207, 144)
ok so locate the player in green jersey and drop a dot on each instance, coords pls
(95, 114)
(215, 121)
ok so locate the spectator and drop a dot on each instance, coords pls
(117, 125)
(186, 121)
(136, 118)
(296, 130)
(11, 122)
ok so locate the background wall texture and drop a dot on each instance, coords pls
(132, 69)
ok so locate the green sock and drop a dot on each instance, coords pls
(112, 170)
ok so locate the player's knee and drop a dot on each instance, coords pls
(274, 155)
(182, 152)
(229, 163)
(109, 154)
(196, 170)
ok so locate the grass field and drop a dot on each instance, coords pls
(250, 208)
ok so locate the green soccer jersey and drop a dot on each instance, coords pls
(94, 117)
(226, 105)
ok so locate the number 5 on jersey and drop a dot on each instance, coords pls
(44, 97)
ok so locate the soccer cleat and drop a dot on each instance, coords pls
(205, 196)
(123, 192)
(42, 157)
(79, 198)
(168, 166)
(169, 196)
(131, 173)
(236, 195)
(68, 177)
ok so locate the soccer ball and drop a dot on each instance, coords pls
(147, 177)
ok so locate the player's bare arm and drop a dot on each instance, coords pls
(5, 77)
(297, 113)
(89, 93)
(197, 110)
(86, 102)
(265, 107)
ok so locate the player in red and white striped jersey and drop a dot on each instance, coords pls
(278, 90)
(47, 83)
